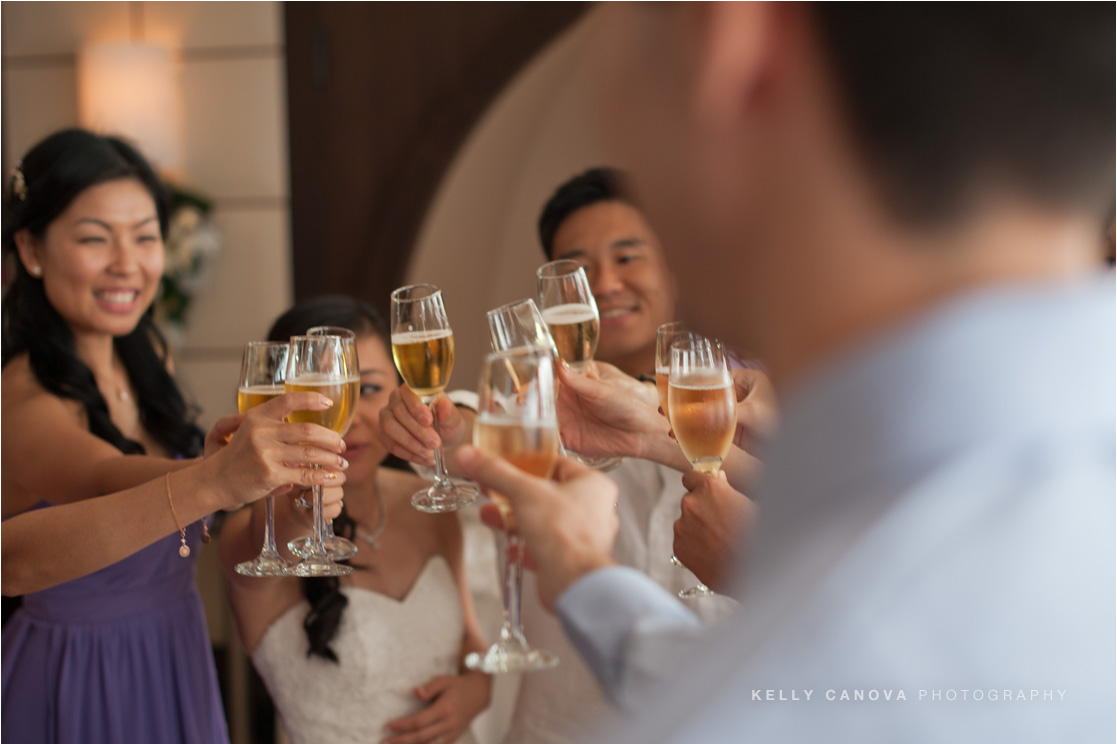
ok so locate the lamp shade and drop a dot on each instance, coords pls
(133, 90)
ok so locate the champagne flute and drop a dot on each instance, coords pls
(703, 410)
(665, 336)
(339, 548)
(318, 364)
(263, 369)
(570, 312)
(423, 350)
(519, 325)
(516, 420)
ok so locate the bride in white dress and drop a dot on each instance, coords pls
(375, 656)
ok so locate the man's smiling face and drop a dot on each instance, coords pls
(629, 277)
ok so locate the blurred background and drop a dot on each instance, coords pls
(316, 147)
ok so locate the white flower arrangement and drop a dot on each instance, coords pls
(192, 242)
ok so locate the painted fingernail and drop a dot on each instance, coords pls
(325, 402)
(343, 463)
(331, 476)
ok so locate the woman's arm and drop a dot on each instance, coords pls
(45, 547)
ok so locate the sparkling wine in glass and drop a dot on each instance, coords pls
(423, 350)
(665, 336)
(263, 369)
(339, 548)
(570, 311)
(319, 364)
(703, 410)
(516, 420)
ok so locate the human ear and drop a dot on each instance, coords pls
(30, 252)
(736, 47)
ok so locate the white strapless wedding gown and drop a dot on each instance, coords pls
(386, 649)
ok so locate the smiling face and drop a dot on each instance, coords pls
(100, 260)
(378, 380)
(629, 278)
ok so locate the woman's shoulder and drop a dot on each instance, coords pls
(21, 392)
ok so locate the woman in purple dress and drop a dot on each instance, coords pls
(95, 477)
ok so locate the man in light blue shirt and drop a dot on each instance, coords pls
(896, 207)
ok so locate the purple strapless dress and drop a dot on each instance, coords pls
(120, 656)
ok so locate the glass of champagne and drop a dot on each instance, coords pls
(339, 548)
(263, 369)
(519, 325)
(665, 336)
(703, 410)
(318, 364)
(570, 312)
(516, 420)
(423, 349)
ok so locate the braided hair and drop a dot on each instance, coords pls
(327, 603)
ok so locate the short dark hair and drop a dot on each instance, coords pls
(592, 186)
(944, 99)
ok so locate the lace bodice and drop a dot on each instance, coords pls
(386, 649)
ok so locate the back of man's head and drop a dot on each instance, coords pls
(947, 101)
(592, 186)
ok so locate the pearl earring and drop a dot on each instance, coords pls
(36, 270)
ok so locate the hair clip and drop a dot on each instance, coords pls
(19, 184)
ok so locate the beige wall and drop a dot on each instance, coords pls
(233, 87)
(479, 241)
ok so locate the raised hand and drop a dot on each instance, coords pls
(709, 533)
(569, 523)
(608, 416)
(264, 454)
(407, 426)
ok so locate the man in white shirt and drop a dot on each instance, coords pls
(590, 218)
(896, 207)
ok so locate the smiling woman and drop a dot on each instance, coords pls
(103, 513)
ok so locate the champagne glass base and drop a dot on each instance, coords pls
(264, 565)
(311, 569)
(700, 590)
(338, 548)
(604, 464)
(510, 656)
(435, 500)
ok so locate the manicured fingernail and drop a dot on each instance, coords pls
(331, 476)
(343, 463)
(325, 402)
(432, 443)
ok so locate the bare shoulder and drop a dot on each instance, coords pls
(21, 394)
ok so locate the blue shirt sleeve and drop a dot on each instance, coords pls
(629, 630)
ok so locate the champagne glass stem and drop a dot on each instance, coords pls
(269, 528)
(317, 538)
(441, 476)
(513, 582)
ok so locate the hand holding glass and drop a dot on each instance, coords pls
(570, 311)
(516, 420)
(339, 548)
(263, 368)
(423, 350)
(703, 410)
(319, 364)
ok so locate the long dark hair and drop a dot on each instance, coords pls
(48, 179)
(327, 603)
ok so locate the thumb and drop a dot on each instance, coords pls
(496, 474)
(226, 426)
